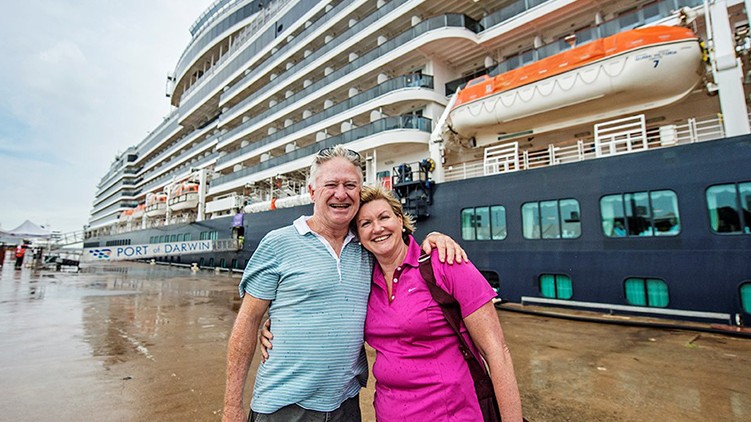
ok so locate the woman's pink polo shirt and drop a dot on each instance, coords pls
(420, 372)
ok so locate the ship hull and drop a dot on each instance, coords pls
(702, 269)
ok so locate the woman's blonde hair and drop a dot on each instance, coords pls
(373, 193)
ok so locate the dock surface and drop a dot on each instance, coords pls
(135, 342)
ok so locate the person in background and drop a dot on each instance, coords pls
(420, 373)
(314, 279)
(619, 230)
(20, 254)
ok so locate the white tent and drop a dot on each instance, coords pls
(27, 230)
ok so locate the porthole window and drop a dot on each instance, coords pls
(650, 292)
(746, 297)
(493, 279)
(556, 286)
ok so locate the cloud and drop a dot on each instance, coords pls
(81, 81)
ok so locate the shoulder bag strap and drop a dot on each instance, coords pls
(452, 314)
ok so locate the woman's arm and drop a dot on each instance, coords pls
(487, 335)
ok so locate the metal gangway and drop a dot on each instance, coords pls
(61, 240)
(64, 250)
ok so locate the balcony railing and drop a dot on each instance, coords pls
(407, 81)
(422, 124)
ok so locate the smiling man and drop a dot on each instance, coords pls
(314, 278)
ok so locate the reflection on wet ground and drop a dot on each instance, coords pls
(140, 342)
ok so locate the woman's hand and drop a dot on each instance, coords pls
(264, 339)
(487, 335)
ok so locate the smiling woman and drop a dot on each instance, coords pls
(412, 338)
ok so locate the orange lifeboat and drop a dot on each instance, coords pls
(156, 204)
(627, 72)
(183, 196)
(138, 211)
(126, 215)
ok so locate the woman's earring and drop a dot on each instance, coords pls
(404, 230)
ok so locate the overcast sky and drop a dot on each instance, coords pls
(80, 81)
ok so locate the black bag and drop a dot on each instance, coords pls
(452, 313)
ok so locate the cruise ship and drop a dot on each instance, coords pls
(588, 155)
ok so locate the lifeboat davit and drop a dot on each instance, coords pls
(183, 196)
(156, 204)
(624, 73)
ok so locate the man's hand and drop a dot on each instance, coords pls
(448, 250)
(240, 350)
(234, 414)
(264, 338)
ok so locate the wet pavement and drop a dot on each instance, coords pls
(136, 342)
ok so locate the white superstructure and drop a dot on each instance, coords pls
(264, 85)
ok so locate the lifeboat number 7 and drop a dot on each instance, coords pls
(656, 62)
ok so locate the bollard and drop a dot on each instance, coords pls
(153, 262)
(194, 267)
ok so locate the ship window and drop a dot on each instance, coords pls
(635, 214)
(468, 225)
(551, 219)
(746, 297)
(570, 222)
(531, 220)
(187, 237)
(211, 262)
(498, 222)
(493, 279)
(222, 263)
(200, 262)
(556, 286)
(651, 12)
(651, 292)
(484, 223)
(180, 237)
(234, 263)
(730, 208)
(173, 238)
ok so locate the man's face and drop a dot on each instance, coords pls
(337, 192)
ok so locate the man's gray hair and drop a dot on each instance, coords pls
(327, 154)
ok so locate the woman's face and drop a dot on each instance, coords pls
(379, 229)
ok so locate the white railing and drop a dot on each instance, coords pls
(623, 137)
(66, 239)
(501, 158)
(465, 170)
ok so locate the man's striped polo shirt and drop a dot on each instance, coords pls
(317, 311)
